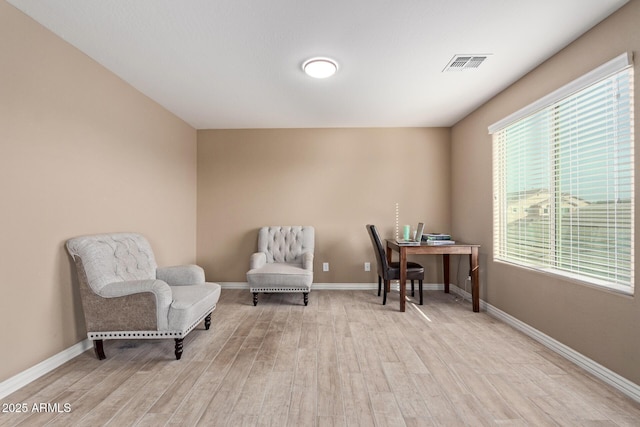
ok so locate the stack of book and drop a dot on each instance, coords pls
(438, 239)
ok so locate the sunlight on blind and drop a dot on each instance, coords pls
(563, 186)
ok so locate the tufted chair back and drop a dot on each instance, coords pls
(286, 244)
(108, 258)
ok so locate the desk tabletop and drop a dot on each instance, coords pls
(457, 243)
(424, 247)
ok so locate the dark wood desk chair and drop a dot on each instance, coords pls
(391, 271)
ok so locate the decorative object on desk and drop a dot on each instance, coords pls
(415, 239)
(406, 231)
(397, 220)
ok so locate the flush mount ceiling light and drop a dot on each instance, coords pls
(320, 68)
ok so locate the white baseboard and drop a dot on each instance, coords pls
(25, 377)
(622, 384)
(618, 382)
(630, 389)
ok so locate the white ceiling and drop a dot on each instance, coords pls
(237, 63)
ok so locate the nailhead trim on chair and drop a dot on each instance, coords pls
(280, 290)
(147, 334)
(133, 334)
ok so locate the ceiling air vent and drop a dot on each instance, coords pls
(464, 62)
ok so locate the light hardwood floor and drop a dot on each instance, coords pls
(343, 360)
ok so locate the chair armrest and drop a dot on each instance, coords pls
(257, 260)
(307, 261)
(181, 275)
(158, 288)
(130, 287)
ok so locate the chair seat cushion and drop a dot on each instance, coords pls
(191, 303)
(278, 275)
(414, 271)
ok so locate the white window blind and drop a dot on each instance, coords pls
(563, 181)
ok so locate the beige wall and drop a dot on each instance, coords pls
(337, 180)
(599, 324)
(80, 152)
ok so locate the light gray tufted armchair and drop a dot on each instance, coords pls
(125, 295)
(283, 262)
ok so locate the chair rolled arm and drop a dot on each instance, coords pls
(158, 288)
(130, 287)
(307, 261)
(257, 260)
(181, 275)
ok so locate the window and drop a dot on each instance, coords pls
(563, 180)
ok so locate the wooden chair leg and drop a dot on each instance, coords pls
(207, 321)
(255, 299)
(387, 286)
(420, 290)
(413, 288)
(178, 351)
(379, 284)
(306, 298)
(99, 349)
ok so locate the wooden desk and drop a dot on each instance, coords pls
(445, 251)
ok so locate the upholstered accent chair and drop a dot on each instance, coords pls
(125, 295)
(283, 262)
(388, 271)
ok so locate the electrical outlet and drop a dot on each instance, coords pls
(325, 266)
(367, 266)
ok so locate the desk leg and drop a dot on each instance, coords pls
(403, 277)
(445, 267)
(475, 279)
